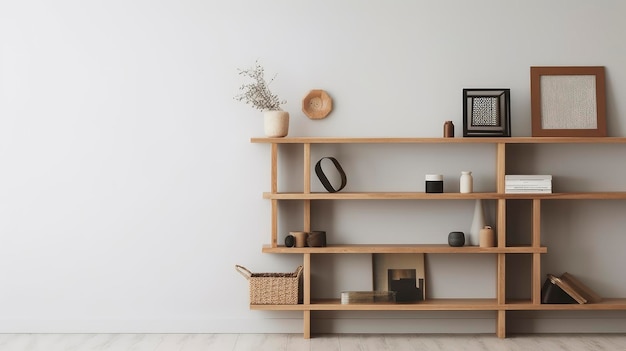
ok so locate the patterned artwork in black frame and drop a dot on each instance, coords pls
(486, 112)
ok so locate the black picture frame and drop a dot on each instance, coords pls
(487, 112)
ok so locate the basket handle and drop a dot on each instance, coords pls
(298, 271)
(243, 271)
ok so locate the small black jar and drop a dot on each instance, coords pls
(456, 239)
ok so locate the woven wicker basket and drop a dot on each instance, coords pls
(272, 288)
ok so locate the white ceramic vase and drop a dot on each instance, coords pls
(466, 182)
(276, 123)
(478, 223)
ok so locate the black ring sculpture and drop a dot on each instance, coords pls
(322, 177)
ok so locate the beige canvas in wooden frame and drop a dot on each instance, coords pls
(568, 101)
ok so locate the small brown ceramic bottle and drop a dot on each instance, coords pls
(448, 129)
(487, 237)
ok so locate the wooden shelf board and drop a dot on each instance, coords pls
(402, 248)
(605, 304)
(428, 305)
(615, 304)
(380, 196)
(458, 140)
(375, 140)
(609, 195)
(612, 195)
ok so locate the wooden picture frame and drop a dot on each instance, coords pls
(568, 101)
(486, 112)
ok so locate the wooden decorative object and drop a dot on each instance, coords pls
(581, 289)
(317, 104)
(568, 101)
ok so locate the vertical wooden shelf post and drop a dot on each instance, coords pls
(536, 242)
(274, 190)
(501, 239)
(306, 285)
(307, 186)
(306, 296)
(500, 167)
(501, 324)
(501, 270)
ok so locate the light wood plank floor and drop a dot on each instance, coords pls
(295, 342)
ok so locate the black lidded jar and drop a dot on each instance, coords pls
(434, 183)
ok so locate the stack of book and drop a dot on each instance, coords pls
(527, 184)
(349, 297)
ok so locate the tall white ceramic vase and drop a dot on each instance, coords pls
(276, 123)
(478, 223)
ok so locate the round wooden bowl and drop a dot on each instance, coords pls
(317, 104)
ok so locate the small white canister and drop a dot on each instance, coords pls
(467, 182)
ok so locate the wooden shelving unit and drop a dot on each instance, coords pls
(499, 304)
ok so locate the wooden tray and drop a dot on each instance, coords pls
(317, 104)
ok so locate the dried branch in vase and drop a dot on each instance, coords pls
(258, 93)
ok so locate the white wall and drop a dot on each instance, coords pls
(129, 188)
